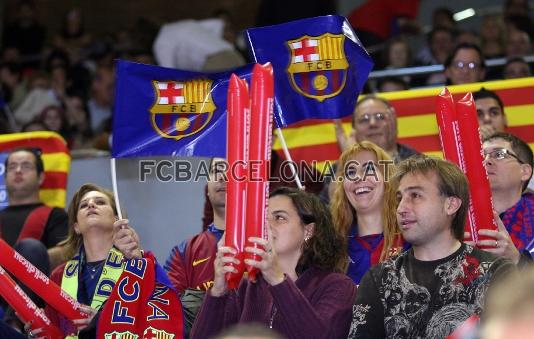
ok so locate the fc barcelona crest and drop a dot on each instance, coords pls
(120, 335)
(318, 65)
(181, 109)
(152, 333)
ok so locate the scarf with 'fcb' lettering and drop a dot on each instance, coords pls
(142, 304)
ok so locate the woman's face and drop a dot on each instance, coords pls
(52, 120)
(364, 183)
(287, 230)
(94, 210)
(398, 55)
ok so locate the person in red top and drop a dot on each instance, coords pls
(26, 216)
(190, 264)
(30, 227)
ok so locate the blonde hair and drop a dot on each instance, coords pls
(343, 214)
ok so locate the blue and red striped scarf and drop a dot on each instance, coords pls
(142, 304)
(519, 221)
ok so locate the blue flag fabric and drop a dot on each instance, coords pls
(320, 67)
(163, 111)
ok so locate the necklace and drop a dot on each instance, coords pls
(273, 313)
(94, 268)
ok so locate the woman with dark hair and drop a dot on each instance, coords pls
(301, 291)
(54, 119)
(96, 242)
(364, 207)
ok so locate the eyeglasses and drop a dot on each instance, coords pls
(24, 167)
(500, 154)
(366, 118)
(468, 65)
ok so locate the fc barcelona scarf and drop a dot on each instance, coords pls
(142, 305)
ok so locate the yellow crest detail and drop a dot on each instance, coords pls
(181, 109)
(318, 66)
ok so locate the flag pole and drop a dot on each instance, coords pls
(115, 189)
(288, 157)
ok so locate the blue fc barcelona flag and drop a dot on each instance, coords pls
(163, 111)
(319, 64)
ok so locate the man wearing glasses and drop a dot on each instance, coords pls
(465, 65)
(375, 120)
(509, 162)
(26, 216)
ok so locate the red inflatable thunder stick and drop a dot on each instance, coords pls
(460, 141)
(480, 214)
(236, 190)
(25, 308)
(38, 282)
(449, 131)
(261, 120)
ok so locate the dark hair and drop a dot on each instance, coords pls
(484, 94)
(326, 248)
(520, 148)
(35, 121)
(518, 59)
(12, 67)
(438, 29)
(443, 10)
(452, 183)
(465, 45)
(395, 80)
(36, 152)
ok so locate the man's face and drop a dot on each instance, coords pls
(217, 183)
(490, 113)
(424, 215)
(22, 179)
(507, 173)
(103, 85)
(465, 67)
(517, 44)
(517, 69)
(375, 122)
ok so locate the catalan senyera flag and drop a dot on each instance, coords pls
(56, 159)
(315, 140)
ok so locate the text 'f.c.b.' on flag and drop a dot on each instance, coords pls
(319, 65)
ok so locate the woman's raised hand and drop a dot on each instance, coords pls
(221, 265)
(268, 265)
(126, 240)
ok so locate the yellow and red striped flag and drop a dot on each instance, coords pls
(315, 140)
(56, 159)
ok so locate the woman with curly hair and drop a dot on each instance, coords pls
(363, 207)
(301, 291)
